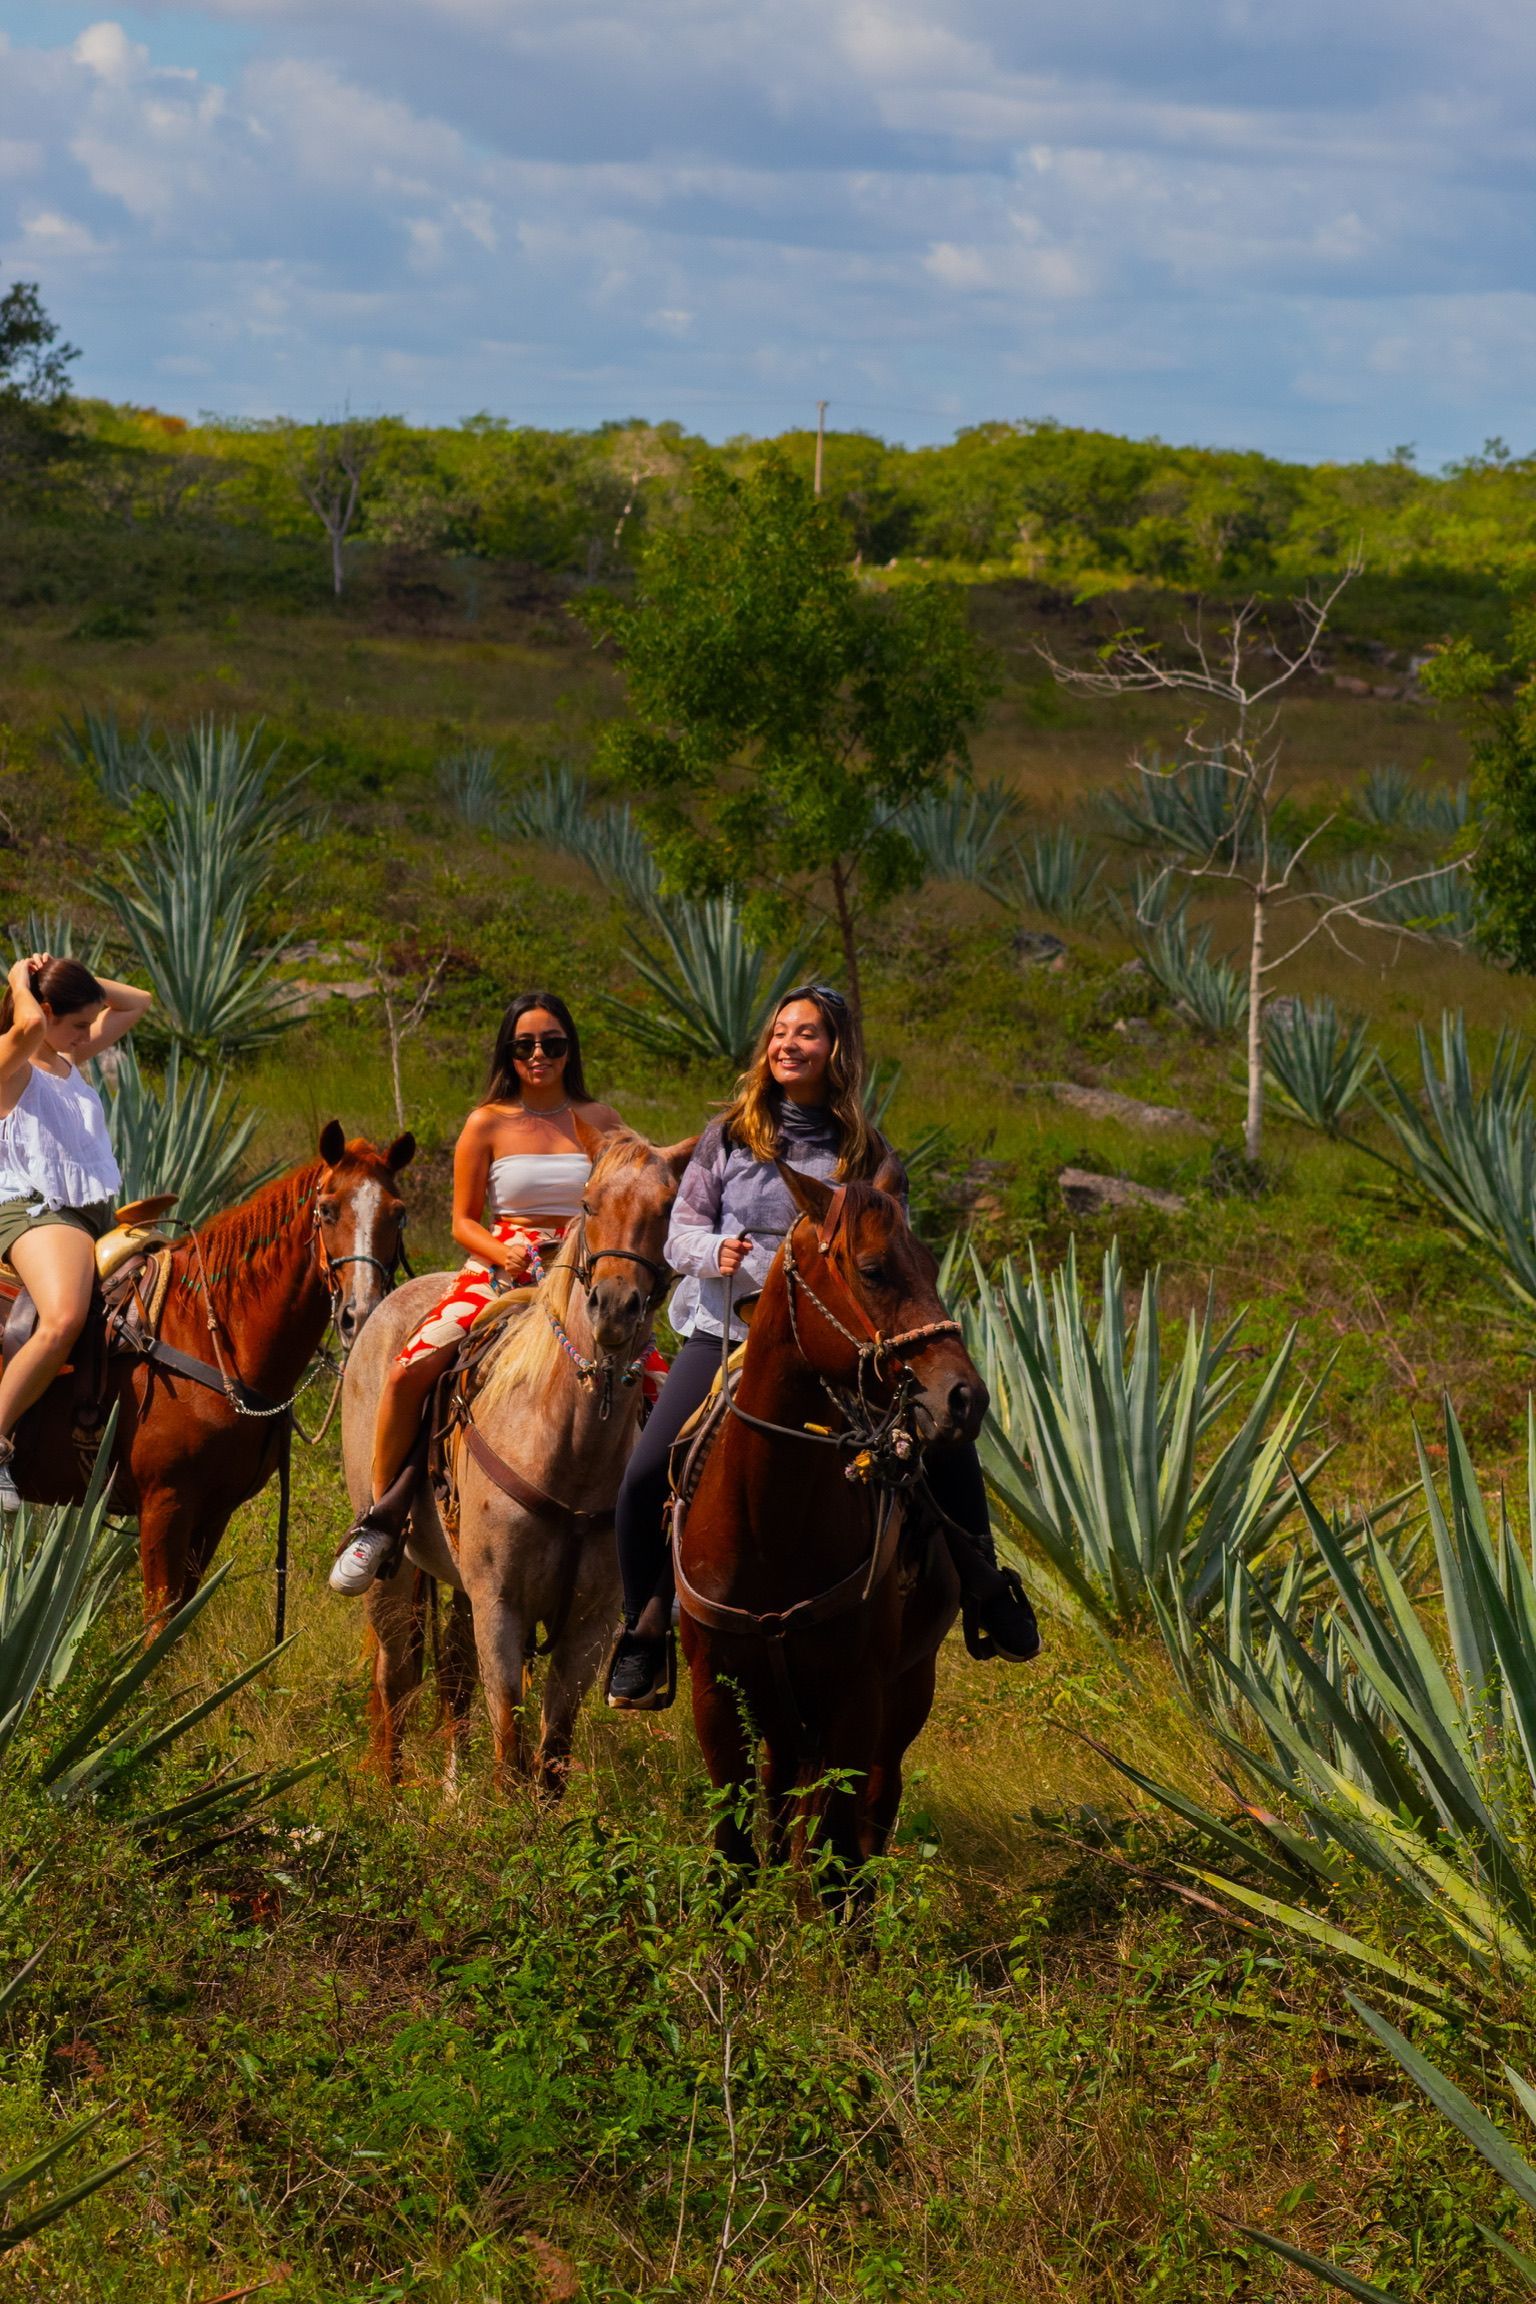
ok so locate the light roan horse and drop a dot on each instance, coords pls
(535, 1542)
(250, 1295)
(810, 1628)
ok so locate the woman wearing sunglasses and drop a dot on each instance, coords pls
(519, 1172)
(801, 1100)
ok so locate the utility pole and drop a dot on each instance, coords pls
(821, 439)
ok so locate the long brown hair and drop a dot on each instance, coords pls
(502, 1084)
(753, 1116)
(65, 986)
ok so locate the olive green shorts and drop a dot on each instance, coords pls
(18, 1216)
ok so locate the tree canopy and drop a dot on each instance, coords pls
(782, 711)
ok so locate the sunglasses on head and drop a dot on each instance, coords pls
(824, 992)
(548, 1043)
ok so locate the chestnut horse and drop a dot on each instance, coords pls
(250, 1296)
(538, 1471)
(810, 1624)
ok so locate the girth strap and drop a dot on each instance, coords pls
(779, 1623)
(181, 1363)
(522, 1491)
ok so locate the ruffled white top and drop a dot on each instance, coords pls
(539, 1183)
(54, 1146)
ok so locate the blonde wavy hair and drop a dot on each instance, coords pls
(752, 1117)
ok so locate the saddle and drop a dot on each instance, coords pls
(132, 1275)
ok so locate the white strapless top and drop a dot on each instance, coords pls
(539, 1183)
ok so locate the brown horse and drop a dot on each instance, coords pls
(537, 1475)
(810, 1624)
(250, 1295)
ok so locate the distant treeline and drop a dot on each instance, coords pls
(1037, 500)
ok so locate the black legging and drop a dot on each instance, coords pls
(954, 1477)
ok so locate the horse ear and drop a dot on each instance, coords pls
(810, 1195)
(677, 1156)
(890, 1177)
(589, 1138)
(401, 1153)
(333, 1142)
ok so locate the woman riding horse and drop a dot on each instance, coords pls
(58, 1178)
(800, 1101)
(522, 1149)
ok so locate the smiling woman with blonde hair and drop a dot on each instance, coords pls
(800, 1100)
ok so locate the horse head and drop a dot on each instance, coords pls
(864, 1290)
(359, 1222)
(625, 1216)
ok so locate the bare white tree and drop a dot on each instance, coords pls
(1239, 672)
(398, 1024)
(329, 463)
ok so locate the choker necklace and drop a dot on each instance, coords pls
(545, 1112)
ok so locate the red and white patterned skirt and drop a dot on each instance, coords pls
(451, 1318)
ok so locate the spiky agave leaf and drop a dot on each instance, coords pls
(56, 932)
(716, 991)
(216, 992)
(1317, 1065)
(1470, 1150)
(1210, 992)
(962, 832)
(473, 783)
(1056, 873)
(117, 763)
(185, 1137)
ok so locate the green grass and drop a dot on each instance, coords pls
(398, 2047)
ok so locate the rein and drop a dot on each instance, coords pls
(589, 1367)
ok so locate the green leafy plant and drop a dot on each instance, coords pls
(1319, 1065)
(561, 810)
(715, 986)
(1196, 807)
(56, 932)
(186, 1136)
(118, 764)
(1097, 1453)
(1390, 798)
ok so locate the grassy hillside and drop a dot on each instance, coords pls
(401, 2048)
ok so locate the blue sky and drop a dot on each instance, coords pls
(1305, 228)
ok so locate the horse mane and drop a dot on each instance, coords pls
(234, 1242)
(531, 1354)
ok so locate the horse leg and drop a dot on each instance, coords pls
(727, 1747)
(456, 1686)
(396, 1609)
(501, 1645)
(907, 1706)
(168, 1525)
(572, 1669)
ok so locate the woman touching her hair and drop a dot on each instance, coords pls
(58, 1177)
(800, 1100)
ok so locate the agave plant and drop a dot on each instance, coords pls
(184, 1137)
(473, 783)
(56, 932)
(1412, 1773)
(962, 833)
(1502, 2156)
(116, 763)
(1209, 991)
(714, 993)
(562, 811)
(1317, 1066)
(1390, 798)
(1098, 1454)
(1437, 903)
(216, 990)
(1055, 874)
(1471, 1152)
(1197, 808)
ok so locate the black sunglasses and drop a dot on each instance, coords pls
(551, 1044)
(826, 992)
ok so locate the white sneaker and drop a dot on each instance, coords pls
(357, 1563)
(10, 1494)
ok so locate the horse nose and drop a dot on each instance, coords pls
(967, 1405)
(347, 1321)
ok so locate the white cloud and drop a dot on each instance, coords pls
(1185, 215)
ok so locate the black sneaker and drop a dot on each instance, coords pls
(1003, 1624)
(643, 1674)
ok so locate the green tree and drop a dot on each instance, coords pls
(783, 712)
(34, 375)
(1502, 692)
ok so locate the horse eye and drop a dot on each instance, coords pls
(873, 1270)
(327, 1211)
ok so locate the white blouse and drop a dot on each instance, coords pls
(54, 1145)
